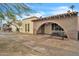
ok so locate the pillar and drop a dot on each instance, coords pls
(48, 28)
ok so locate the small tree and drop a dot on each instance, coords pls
(72, 7)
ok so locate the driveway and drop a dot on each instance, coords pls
(14, 44)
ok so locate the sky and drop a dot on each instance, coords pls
(49, 9)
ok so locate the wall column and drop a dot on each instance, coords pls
(48, 28)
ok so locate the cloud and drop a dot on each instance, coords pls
(54, 11)
(60, 10)
(38, 14)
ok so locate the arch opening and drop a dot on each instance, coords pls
(52, 29)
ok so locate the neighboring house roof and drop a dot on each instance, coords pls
(31, 18)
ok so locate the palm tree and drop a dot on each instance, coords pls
(72, 7)
(11, 11)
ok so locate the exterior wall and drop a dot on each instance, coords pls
(30, 26)
(27, 21)
(78, 23)
(69, 24)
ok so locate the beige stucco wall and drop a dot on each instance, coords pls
(78, 23)
(69, 24)
(27, 21)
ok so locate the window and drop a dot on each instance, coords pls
(56, 27)
(28, 27)
(25, 27)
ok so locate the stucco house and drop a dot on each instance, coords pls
(28, 25)
(66, 22)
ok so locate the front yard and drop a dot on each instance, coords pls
(36, 45)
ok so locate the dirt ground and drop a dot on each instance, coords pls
(18, 44)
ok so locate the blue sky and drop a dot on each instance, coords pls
(48, 9)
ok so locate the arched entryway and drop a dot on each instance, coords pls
(51, 29)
